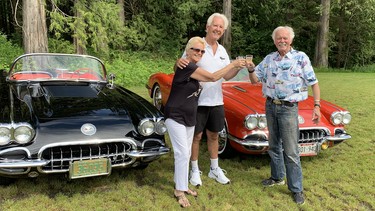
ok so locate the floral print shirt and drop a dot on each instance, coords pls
(286, 78)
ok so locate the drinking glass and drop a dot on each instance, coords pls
(249, 58)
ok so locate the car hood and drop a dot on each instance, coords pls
(245, 94)
(247, 98)
(60, 113)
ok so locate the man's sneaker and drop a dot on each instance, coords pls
(271, 182)
(195, 178)
(299, 198)
(219, 175)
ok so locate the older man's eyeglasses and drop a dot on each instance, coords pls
(197, 50)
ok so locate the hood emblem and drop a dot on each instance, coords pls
(88, 129)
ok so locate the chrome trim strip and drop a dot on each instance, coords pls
(23, 163)
(150, 152)
(248, 143)
(340, 137)
(16, 149)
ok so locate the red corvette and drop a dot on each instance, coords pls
(246, 126)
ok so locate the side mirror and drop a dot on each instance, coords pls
(111, 80)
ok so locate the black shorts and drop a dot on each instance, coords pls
(210, 118)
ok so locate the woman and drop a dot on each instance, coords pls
(181, 108)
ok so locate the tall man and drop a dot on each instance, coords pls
(210, 115)
(285, 75)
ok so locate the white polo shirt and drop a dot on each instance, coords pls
(212, 94)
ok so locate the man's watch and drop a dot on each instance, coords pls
(317, 105)
(250, 71)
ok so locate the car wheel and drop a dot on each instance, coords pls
(157, 98)
(225, 149)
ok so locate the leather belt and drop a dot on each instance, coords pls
(281, 102)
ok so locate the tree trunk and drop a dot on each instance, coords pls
(227, 37)
(34, 27)
(321, 48)
(79, 44)
(121, 13)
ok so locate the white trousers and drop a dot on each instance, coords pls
(182, 139)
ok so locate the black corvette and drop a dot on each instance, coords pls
(62, 113)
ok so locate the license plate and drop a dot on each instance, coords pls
(89, 168)
(308, 149)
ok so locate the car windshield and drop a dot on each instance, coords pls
(57, 67)
(243, 75)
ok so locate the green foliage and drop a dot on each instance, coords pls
(60, 46)
(164, 26)
(134, 68)
(253, 23)
(352, 24)
(8, 52)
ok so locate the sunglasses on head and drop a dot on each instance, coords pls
(197, 50)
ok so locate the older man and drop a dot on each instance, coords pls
(210, 116)
(285, 75)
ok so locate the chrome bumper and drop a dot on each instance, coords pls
(249, 143)
(120, 157)
(149, 153)
(264, 142)
(340, 137)
(39, 163)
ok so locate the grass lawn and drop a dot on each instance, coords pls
(341, 178)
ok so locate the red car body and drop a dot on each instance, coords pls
(244, 101)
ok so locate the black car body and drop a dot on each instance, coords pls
(61, 114)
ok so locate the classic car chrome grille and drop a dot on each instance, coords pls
(60, 157)
(312, 135)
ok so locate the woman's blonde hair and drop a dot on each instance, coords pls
(194, 40)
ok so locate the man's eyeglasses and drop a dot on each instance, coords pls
(197, 50)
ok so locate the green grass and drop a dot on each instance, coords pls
(341, 178)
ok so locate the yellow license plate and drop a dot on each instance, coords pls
(89, 168)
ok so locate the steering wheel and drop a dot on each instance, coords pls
(83, 70)
(86, 73)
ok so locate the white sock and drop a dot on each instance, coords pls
(194, 165)
(214, 163)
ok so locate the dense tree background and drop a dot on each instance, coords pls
(104, 27)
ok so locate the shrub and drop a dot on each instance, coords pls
(8, 52)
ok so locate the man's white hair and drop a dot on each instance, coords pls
(290, 29)
(223, 17)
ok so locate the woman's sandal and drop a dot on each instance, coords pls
(182, 200)
(191, 192)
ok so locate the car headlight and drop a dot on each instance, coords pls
(262, 121)
(23, 134)
(160, 127)
(146, 127)
(5, 135)
(346, 118)
(336, 118)
(251, 122)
